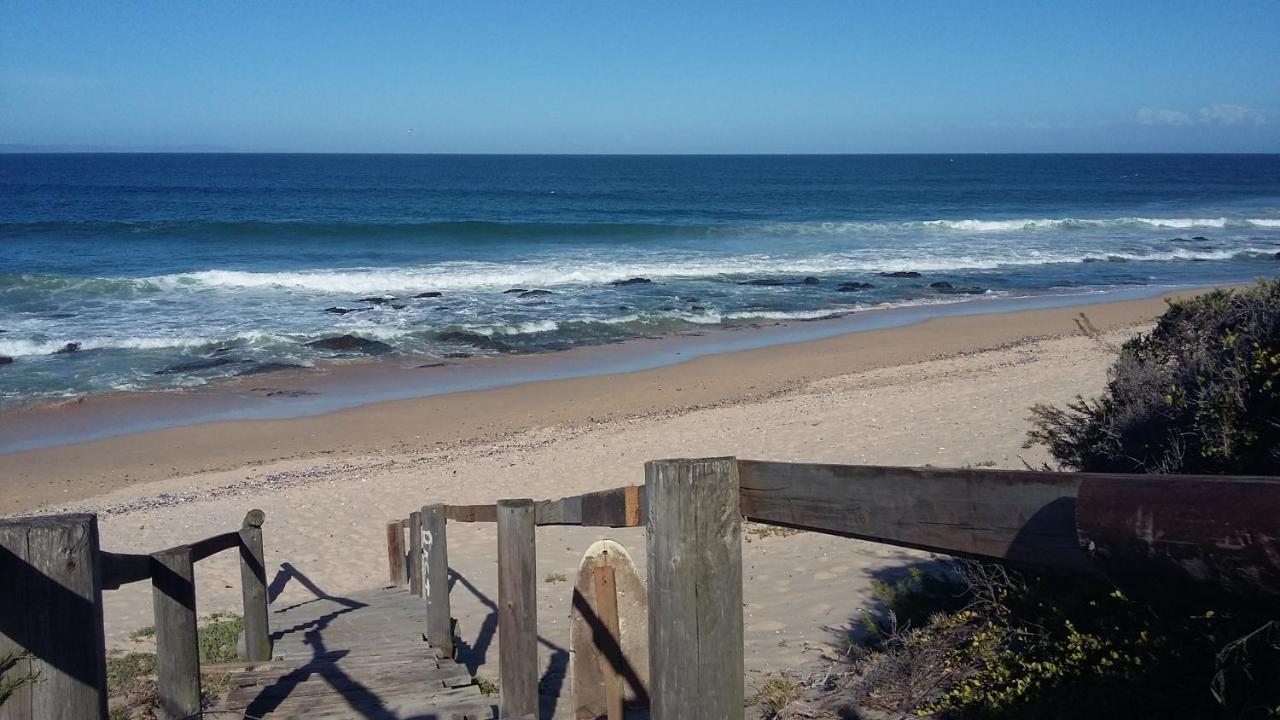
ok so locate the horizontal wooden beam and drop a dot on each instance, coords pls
(616, 507)
(1217, 534)
(121, 569)
(472, 513)
(1010, 515)
(202, 549)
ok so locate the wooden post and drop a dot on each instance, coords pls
(395, 554)
(435, 579)
(607, 610)
(517, 610)
(253, 584)
(695, 589)
(51, 608)
(415, 553)
(177, 646)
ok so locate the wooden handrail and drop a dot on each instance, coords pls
(52, 567)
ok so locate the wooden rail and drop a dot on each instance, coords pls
(1219, 536)
(53, 575)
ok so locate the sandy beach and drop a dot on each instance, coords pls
(949, 392)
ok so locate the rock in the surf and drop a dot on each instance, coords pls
(763, 282)
(195, 365)
(344, 310)
(515, 291)
(631, 281)
(378, 300)
(6, 360)
(69, 348)
(854, 287)
(811, 280)
(475, 340)
(534, 293)
(941, 285)
(901, 274)
(268, 367)
(352, 344)
(431, 294)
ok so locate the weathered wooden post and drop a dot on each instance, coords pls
(51, 609)
(395, 553)
(415, 553)
(517, 610)
(435, 579)
(173, 594)
(253, 583)
(607, 608)
(696, 665)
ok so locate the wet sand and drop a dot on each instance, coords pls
(78, 472)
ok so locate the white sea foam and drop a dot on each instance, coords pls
(14, 347)
(524, 328)
(1069, 223)
(1264, 222)
(479, 277)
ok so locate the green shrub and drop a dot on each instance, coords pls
(1198, 394)
(1062, 647)
(218, 638)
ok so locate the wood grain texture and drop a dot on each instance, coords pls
(1016, 516)
(597, 647)
(435, 583)
(51, 608)
(396, 571)
(177, 646)
(414, 560)
(517, 609)
(1182, 534)
(696, 667)
(253, 588)
(606, 598)
(473, 513)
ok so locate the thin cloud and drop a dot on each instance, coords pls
(1157, 116)
(1217, 114)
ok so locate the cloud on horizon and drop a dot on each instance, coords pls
(1217, 114)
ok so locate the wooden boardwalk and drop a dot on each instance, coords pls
(363, 656)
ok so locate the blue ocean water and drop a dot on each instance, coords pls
(174, 270)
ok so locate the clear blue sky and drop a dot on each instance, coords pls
(604, 76)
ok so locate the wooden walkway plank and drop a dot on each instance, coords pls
(362, 656)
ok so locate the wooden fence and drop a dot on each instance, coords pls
(1217, 536)
(53, 575)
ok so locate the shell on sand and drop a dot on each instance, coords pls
(585, 662)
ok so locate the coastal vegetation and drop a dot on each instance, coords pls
(131, 674)
(1199, 393)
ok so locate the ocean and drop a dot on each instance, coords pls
(155, 271)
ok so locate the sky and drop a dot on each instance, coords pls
(644, 77)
